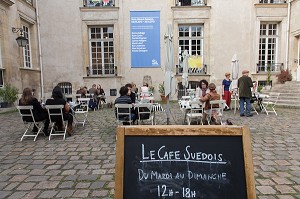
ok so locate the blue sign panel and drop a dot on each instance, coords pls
(145, 39)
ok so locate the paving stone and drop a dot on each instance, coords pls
(97, 185)
(17, 194)
(67, 184)
(5, 194)
(87, 177)
(285, 197)
(32, 194)
(284, 189)
(81, 193)
(47, 185)
(26, 186)
(82, 185)
(282, 181)
(48, 194)
(266, 189)
(36, 178)
(11, 186)
(65, 193)
(19, 178)
(265, 182)
(101, 193)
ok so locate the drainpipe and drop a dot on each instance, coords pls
(288, 36)
(40, 49)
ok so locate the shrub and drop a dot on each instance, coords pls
(9, 93)
(284, 76)
(161, 89)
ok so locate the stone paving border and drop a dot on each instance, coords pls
(83, 166)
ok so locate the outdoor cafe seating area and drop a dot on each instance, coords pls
(145, 108)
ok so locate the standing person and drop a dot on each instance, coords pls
(244, 85)
(57, 99)
(226, 93)
(130, 93)
(39, 113)
(202, 90)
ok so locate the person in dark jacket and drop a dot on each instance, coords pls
(125, 99)
(245, 94)
(131, 94)
(39, 113)
(57, 99)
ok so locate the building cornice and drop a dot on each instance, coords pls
(7, 2)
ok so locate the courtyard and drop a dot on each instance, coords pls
(83, 166)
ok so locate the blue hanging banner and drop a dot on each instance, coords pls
(145, 39)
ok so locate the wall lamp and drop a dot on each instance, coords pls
(21, 40)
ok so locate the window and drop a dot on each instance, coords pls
(1, 68)
(66, 88)
(298, 51)
(29, 1)
(27, 49)
(102, 55)
(191, 2)
(98, 3)
(268, 41)
(191, 39)
(272, 1)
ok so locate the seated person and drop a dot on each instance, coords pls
(57, 99)
(131, 94)
(101, 94)
(145, 91)
(39, 113)
(125, 99)
(82, 91)
(212, 95)
(134, 88)
(93, 104)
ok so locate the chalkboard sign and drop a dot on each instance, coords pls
(207, 162)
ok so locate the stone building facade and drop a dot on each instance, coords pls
(77, 43)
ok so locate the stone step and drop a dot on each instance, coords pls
(289, 94)
(288, 105)
(288, 101)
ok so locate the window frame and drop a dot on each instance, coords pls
(268, 46)
(1, 67)
(66, 87)
(299, 52)
(191, 38)
(27, 53)
(106, 66)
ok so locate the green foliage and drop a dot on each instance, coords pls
(259, 88)
(9, 93)
(284, 76)
(161, 89)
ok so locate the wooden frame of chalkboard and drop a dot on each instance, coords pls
(179, 161)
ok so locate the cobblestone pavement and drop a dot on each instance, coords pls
(83, 166)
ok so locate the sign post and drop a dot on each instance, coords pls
(184, 162)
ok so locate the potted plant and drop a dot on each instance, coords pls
(284, 76)
(8, 95)
(268, 82)
(161, 90)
